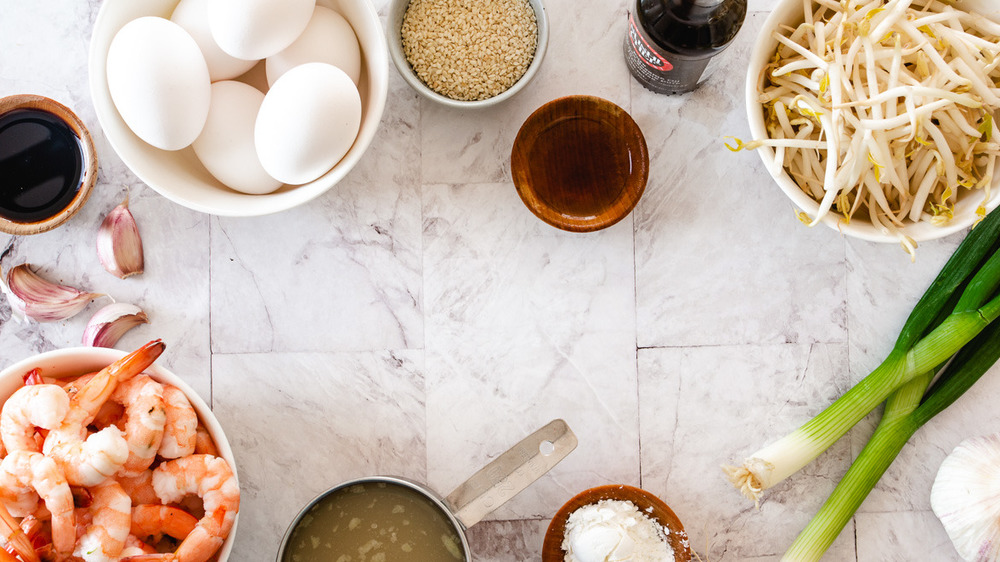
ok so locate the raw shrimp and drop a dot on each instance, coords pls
(87, 461)
(142, 398)
(22, 470)
(158, 520)
(139, 487)
(41, 405)
(111, 519)
(180, 432)
(213, 480)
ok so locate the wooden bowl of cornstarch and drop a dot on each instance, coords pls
(612, 522)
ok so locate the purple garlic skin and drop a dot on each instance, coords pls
(119, 246)
(33, 297)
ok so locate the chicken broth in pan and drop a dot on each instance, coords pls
(374, 522)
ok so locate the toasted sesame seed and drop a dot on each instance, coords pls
(469, 49)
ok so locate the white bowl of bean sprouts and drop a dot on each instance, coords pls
(71, 363)
(891, 105)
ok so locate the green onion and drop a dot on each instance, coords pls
(956, 307)
(905, 412)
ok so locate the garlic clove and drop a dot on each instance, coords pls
(965, 497)
(43, 301)
(119, 246)
(110, 323)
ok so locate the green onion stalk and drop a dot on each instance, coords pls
(906, 411)
(957, 306)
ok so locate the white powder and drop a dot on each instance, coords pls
(615, 531)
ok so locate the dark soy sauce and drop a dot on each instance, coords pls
(578, 167)
(41, 165)
(670, 43)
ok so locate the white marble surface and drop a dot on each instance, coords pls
(417, 320)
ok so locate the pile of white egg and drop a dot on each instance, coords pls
(173, 83)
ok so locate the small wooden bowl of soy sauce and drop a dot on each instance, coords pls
(580, 163)
(48, 164)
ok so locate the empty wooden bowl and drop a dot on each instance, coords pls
(647, 503)
(33, 164)
(580, 163)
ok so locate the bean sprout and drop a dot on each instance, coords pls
(885, 109)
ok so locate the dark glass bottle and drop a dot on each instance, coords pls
(670, 43)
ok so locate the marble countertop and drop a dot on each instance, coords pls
(418, 320)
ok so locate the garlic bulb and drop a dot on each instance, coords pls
(110, 323)
(33, 297)
(966, 498)
(119, 246)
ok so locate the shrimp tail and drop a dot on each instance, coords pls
(15, 538)
(33, 376)
(135, 362)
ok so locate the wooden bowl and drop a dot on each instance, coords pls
(88, 175)
(580, 163)
(647, 503)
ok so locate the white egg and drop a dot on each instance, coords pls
(257, 29)
(307, 123)
(159, 82)
(328, 38)
(226, 144)
(192, 15)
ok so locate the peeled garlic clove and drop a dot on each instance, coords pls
(110, 323)
(119, 246)
(43, 301)
(966, 498)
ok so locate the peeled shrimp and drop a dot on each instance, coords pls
(27, 470)
(111, 521)
(213, 480)
(135, 547)
(142, 398)
(204, 444)
(180, 432)
(87, 461)
(139, 487)
(158, 520)
(37, 405)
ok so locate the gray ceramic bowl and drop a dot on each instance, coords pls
(397, 8)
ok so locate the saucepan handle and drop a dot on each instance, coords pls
(511, 472)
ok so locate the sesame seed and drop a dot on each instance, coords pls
(469, 50)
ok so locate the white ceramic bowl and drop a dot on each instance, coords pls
(81, 360)
(789, 12)
(394, 24)
(179, 176)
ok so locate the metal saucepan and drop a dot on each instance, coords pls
(474, 499)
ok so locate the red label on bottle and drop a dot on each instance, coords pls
(642, 49)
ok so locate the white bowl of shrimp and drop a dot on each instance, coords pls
(911, 119)
(107, 456)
